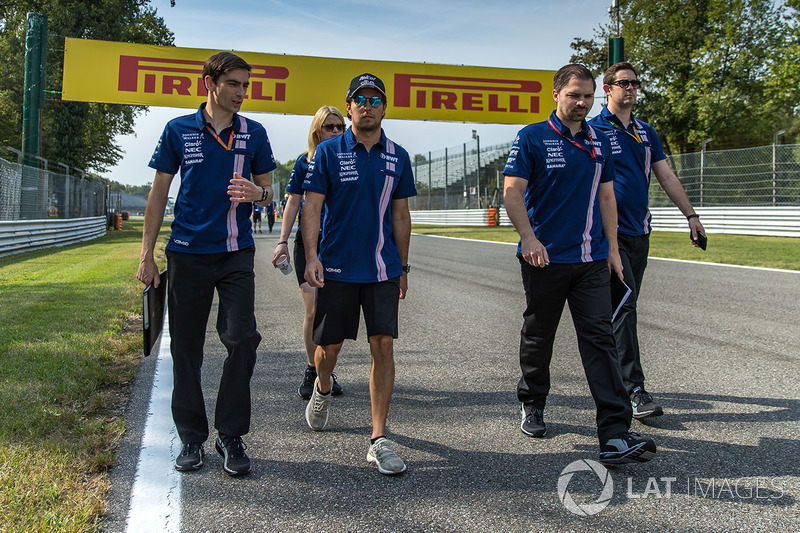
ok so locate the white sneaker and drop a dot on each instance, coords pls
(317, 408)
(382, 454)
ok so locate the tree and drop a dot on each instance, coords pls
(76, 133)
(706, 66)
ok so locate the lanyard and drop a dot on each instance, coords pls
(230, 140)
(575, 143)
(635, 133)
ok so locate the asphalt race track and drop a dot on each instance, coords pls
(720, 350)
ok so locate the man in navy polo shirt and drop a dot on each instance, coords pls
(637, 151)
(211, 248)
(364, 180)
(559, 195)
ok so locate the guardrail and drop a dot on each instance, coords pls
(771, 221)
(23, 235)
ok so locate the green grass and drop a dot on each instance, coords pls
(771, 252)
(70, 340)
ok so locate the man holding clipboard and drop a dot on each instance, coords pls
(637, 152)
(225, 161)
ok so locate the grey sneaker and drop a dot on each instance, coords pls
(643, 404)
(190, 458)
(317, 408)
(382, 454)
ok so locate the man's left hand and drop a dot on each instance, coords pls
(241, 190)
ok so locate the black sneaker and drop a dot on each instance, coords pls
(532, 421)
(191, 457)
(627, 447)
(307, 386)
(643, 404)
(232, 449)
(336, 389)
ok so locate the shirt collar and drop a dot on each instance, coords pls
(611, 117)
(201, 121)
(565, 131)
(351, 142)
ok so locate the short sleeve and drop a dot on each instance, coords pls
(165, 157)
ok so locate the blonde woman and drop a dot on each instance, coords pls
(328, 122)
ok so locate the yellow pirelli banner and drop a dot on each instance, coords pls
(125, 73)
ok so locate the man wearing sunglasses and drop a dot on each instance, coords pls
(364, 181)
(637, 153)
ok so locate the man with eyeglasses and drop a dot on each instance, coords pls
(637, 153)
(364, 181)
(559, 195)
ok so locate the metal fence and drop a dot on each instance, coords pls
(461, 177)
(464, 177)
(760, 176)
(37, 193)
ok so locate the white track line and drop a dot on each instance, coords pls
(156, 494)
(651, 257)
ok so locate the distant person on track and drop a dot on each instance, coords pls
(257, 211)
(559, 195)
(270, 209)
(328, 122)
(364, 181)
(637, 152)
(211, 248)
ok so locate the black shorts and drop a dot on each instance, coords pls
(299, 259)
(256, 215)
(338, 310)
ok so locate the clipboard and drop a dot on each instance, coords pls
(620, 292)
(153, 303)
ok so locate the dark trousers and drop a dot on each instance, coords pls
(270, 221)
(633, 252)
(192, 279)
(585, 286)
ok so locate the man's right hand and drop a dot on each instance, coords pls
(281, 249)
(148, 271)
(315, 275)
(534, 252)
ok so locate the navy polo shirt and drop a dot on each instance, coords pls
(295, 185)
(358, 243)
(635, 149)
(206, 221)
(563, 181)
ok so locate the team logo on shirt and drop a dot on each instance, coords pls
(555, 154)
(390, 161)
(347, 166)
(192, 148)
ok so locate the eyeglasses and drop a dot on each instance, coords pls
(624, 84)
(374, 101)
(333, 127)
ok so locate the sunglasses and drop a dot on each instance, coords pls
(333, 127)
(624, 84)
(374, 101)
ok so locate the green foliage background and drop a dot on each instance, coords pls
(76, 133)
(721, 69)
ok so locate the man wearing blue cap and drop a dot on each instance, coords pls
(364, 181)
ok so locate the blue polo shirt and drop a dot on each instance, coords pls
(563, 181)
(635, 149)
(206, 221)
(295, 185)
(358, 244)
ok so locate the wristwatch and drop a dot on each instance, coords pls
(406, 268)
